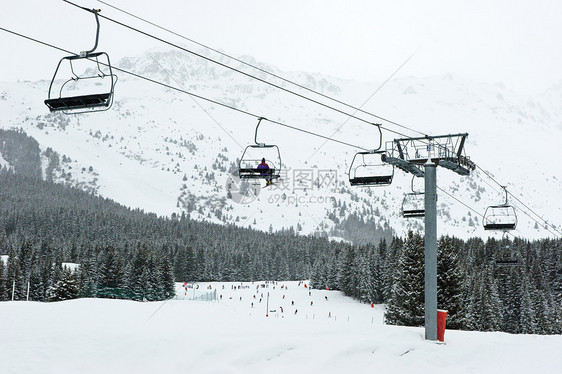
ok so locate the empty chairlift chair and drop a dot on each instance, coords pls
(368, 170)
(413, 204)
(506, 258)
(500, 217)
(83, 83)
(506, 255)
(254, 154)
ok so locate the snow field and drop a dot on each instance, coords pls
(229, 336)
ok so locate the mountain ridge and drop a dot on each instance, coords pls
(166, 152)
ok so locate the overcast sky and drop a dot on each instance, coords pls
(516, 42)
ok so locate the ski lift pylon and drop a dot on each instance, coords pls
(366, 171)
(247, 165)
(74, 95)
(500, 217)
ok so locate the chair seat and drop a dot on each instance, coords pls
(257, 173)
(507, 262)
(79, 102)
(499, 226)
(414, 213)
(375, 180)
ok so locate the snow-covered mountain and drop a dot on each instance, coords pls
(170, 153)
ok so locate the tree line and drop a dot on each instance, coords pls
(127, 253)
(505, 285)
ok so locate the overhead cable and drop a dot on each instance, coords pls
(544, 222)
(357, 109)
(546, 226)
(233, 69)
(191, 93)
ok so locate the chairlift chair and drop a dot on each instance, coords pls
(368, 170)
(507, 262)
(413, 204)
(500, 217)
(247, 165)
(505, 256)
(87, 90)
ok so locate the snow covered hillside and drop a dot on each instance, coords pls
(167, 152)
(328, 333)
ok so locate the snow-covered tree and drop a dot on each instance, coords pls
(365, 284)
(527, 317)
(376, 265)
(391, 266)
(3, 283)
(111, 273)
(347, 278)
(66, 288)
(483, 303)
(450, 281)
(406, 305)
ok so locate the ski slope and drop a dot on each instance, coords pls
(333, 335)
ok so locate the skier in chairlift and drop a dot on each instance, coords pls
(264, 171)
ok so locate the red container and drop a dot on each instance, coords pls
(441, 322)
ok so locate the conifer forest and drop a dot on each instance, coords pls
(510, 285)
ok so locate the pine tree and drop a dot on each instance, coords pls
(15, 280)
(470, 320)
(406, 305)
(66, 288)
(391, 266)
(3, 285)
(377, 261)
(37, 280)
(509, 286)
(184, 264)
(450, 280)
(52, 273)
(168, 283)
(333, 270)
(134, 274)
(200, 265)
(491, 310)
(365, 290)
(284, 270)
(88, 276)
(318, 278)
(111, 273)
(26, 258)
(527, 316)
(347, 279)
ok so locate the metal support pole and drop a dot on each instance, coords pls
(430, 246)
(267, 306)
